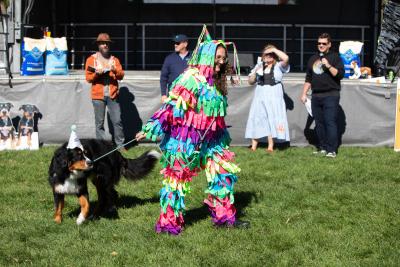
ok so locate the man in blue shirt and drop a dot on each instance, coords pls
(174, 64)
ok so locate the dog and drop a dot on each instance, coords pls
(360, 72)
(70, 169)
(25, 125)
(6, 125)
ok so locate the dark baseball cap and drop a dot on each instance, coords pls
(180, 38)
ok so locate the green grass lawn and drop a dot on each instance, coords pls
(304, 210)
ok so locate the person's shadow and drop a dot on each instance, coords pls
(341, 124)
(311, 135)
(242, 200)
(130, 118)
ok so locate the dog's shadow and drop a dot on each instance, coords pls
(242, 200)
(123, 201)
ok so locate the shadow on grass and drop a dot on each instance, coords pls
(242, 200)
(277, 146)
(123, 201)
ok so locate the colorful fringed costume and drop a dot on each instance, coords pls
(195, 137)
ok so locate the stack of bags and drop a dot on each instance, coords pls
(33, 62)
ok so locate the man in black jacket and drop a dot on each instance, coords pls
(324, 72)
(174, 64)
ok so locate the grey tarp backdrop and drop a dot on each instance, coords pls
(367, 115)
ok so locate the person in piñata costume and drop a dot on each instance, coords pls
(195, 137)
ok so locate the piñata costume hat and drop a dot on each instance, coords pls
(203, 55)
(195, 137)
(74, 141)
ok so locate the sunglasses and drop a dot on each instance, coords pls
(177, 43)
(319, 43)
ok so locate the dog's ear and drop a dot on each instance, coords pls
(61, 157)
(22, 107)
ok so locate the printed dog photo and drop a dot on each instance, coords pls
(26, 134)
(7, 140)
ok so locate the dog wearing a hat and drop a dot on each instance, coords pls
(77, 160)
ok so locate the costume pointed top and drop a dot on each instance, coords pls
(204, 53)
(74, 141)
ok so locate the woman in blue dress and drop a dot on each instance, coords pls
(267, 117)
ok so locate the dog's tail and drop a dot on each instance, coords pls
(141, 166)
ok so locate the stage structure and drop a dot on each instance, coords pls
(140, 44)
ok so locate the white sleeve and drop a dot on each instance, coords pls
(282, 68)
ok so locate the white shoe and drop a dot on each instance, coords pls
(331, 155)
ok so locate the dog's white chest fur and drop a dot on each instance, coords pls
(70, 185)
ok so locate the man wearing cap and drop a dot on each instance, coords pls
(104, 71)
(174, 64)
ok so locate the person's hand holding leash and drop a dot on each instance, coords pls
(140, 136)
(163, 97)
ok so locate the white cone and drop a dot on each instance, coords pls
(74, 140)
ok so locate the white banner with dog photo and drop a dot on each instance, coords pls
(17, 128)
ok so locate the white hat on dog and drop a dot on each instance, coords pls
(74, 140)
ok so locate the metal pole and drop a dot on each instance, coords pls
(54, 18)
(143, 47)
(376, 28)
(126, 46)
(214, 20)
(16, 51)
(301, 47)
(284, 38)
(363, 41)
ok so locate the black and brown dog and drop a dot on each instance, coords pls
(6, 125)
(25, 125)
(70, 169)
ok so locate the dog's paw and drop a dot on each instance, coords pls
(57, 219)
(81, 219)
